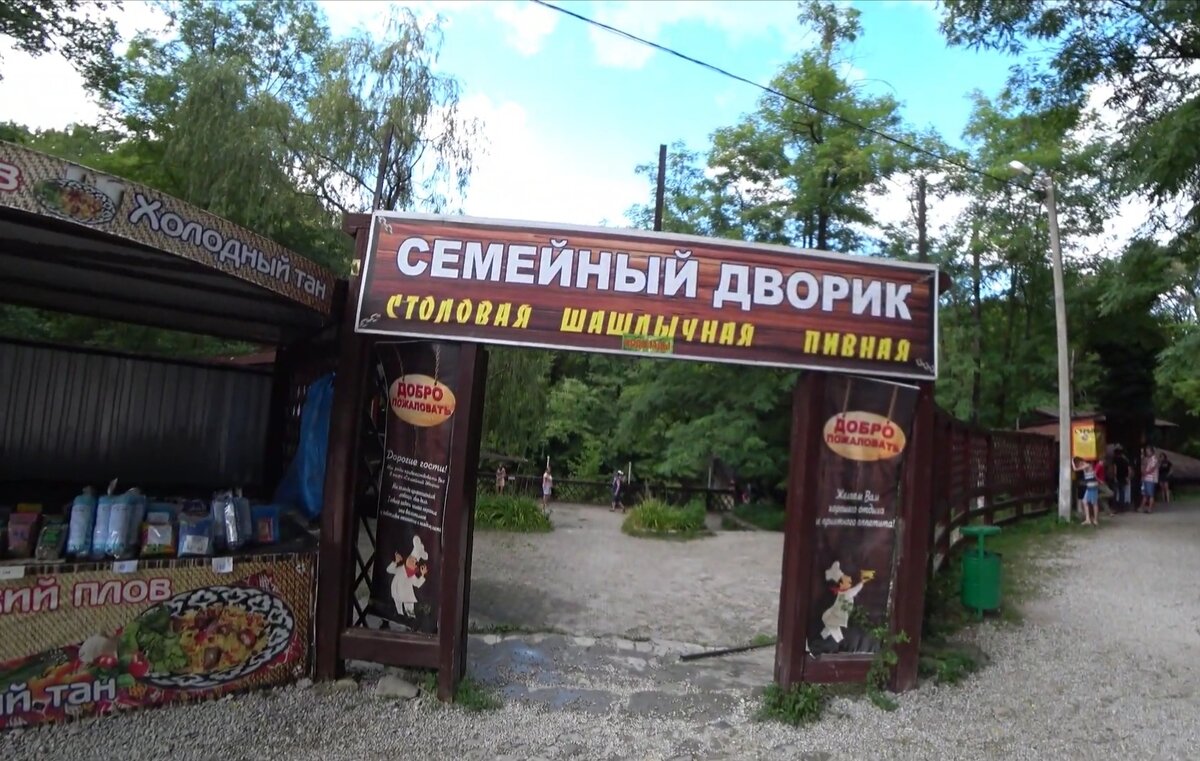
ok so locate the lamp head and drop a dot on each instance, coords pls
(1017, 166)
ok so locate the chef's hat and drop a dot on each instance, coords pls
(834, 573)
(418, 550)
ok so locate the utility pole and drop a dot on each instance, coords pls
(385, 158)
(660, 188)
(1046, 180)
(1064, 359)
(922, 234)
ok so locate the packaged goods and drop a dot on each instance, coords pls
(195, 535)
(138, 504)
(162, 512)
(230, 529)
(83, 521)
(158, 540)
(22, 529)
(117, 544)
(266, 524)
(51, 541)
(245, 517)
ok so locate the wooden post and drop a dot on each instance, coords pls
(660, 188)
(273, 457)
(909, 612)
(456, 530)
(336, 570)
(802, 509)
(989, 479)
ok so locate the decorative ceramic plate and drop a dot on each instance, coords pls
(205, 620)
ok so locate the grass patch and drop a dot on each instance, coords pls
(654, 518)
(766, 516)
(949, 664)
(471, 695)
(498, 512)
(764, 640)
(802, 704)
(511, 629)
(1018, 544)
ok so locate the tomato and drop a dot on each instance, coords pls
(138, 667)
(107, 661)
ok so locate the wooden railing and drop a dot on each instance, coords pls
(590, 492)
(994, 477)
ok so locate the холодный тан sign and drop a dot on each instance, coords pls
(46, 185)
(647, 294)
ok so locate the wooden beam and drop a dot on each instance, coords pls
(391, 648)
(457, 525)
(798, 538)
(909, 613)
(336, 571)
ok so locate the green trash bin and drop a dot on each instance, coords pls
(981, 572)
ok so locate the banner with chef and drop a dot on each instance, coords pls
(866, 425)
(87, 640)
(412, 493)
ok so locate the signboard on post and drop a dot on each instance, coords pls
(647, 294)
(413, 488)
(866, 425)
(40, 184)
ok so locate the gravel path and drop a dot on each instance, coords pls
(589, 578)
(1107, 665)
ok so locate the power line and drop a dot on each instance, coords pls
(772, 91)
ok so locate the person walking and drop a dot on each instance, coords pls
(501, 479)
(1121, 471)
(547, 489)
(1164, 477)
(1105, 494)
(1091, 491)
(618, 485)
(1149, 478)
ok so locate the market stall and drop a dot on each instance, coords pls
(148, 553)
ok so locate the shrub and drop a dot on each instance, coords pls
(802, 704)
(656, 518)
(499, 512)
(766, 516)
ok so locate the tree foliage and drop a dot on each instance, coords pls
(76, 29)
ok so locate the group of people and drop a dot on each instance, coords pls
(618, 488)
(1094, 484)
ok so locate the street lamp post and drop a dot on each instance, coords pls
(1064, 367)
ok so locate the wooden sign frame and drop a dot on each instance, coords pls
(337, 640)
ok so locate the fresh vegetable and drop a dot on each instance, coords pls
(138, 666)
(154, 638)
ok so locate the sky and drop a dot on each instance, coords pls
(569, 110)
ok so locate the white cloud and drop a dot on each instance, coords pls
(45, 92)
(524, 175)
(528, 24)
(752, 19)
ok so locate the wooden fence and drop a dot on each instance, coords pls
(587, 492)
(996, 477)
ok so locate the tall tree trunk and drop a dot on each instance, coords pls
(922, 232)
(1006, 362)
(976, 317)
(822, 231)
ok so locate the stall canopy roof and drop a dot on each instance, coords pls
(75, 240)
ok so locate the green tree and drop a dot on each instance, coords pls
(800, 174)
(517, 400)
(381, 97)
(76, 29)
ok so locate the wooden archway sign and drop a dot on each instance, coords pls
(442, 286)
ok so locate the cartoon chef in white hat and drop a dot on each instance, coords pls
(407, 577)
(837, 617)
